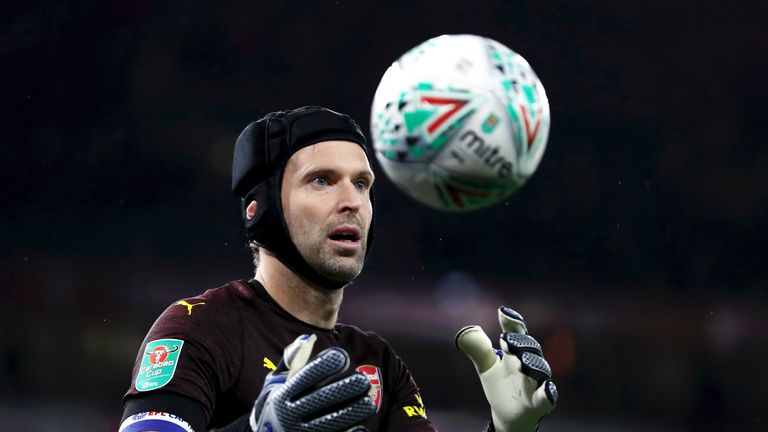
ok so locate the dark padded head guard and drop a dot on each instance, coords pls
(261, 152)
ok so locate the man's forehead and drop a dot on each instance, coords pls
(329, 152)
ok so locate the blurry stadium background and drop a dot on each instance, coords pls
(637, 251)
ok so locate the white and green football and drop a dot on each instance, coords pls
(460, 122)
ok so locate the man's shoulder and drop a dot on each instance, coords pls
(357, 335)
(234, 291)
(210, 319)
(226, 295)
(216, 304)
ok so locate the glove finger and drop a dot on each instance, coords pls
(516, 343)
(511, 321)
(333, 394)
(325, 365)
(350, 415)
(545, 397)
(473, 341)
(296, 355)
(535, 367)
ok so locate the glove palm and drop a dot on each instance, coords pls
(516, 379)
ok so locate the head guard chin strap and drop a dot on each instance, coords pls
(261, 153)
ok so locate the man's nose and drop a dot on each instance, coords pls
(350, 198)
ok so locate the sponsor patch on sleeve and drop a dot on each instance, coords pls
(161, 356)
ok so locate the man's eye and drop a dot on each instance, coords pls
(320, 181)
(361, 184)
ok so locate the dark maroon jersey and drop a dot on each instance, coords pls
(218, 347)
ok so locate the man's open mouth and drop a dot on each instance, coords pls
(345, 234)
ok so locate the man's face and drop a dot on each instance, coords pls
(327, 206)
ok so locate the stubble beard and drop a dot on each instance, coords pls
(338, 266)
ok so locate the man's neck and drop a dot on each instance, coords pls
(307, 302)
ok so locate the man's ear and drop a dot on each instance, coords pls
(250, 211)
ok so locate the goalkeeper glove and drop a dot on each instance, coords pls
(312, 397)
(516, 379)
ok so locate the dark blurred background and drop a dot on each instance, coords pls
(637, 251)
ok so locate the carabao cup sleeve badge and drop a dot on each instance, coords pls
(158, 363)
(374, 377)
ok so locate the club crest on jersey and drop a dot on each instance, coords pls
(158, 364)
(374, 377)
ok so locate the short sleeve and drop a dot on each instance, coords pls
(193, 349)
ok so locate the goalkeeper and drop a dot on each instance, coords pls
(268, 354)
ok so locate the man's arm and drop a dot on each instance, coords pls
(185, 360)
(162, 412)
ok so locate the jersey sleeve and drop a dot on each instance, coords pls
(193, 350)
(407, 411)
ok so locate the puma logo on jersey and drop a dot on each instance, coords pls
(269, 365)
(188, 305)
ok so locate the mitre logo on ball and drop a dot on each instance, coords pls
(374, 377)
